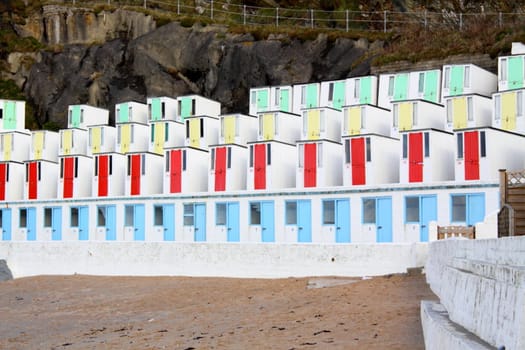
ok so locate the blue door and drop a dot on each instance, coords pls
(200, 222)
(267, 222)
(342, 220)
(31, 224)
(475, 208)
(138, 223)
(109, 221)
(168, 221)
(6, 223)
(83, 223)
(304, 221)
(56, 224)
(384, 219)
(428, 213)
(232, 222)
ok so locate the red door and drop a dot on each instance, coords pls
(260, 167)
(310, 165)
(472, 155)
(33, 179)
(415, 157)
(135, 174)
(69, 164)
(220, 169)
(103, 174)
(358, 161)
(3, 179)
(175, 171)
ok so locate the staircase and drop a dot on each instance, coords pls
(511, 217)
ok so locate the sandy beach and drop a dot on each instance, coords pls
(87, 312)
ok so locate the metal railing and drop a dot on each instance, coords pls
(345, 20)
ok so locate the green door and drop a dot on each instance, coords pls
(312, 96)
(75, 116)
(401, 87)
(123, 113)
(515, 73)
(262, 100)
(10, 115)
(156, 110)
(284, 103)
(456, 80)
(365, 93)
(431, 86)
(186, 104)
(338, 99)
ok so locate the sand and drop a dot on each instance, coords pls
(87, 312)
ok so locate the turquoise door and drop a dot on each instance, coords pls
(431, 86)
(475, 208)
(232, 222)
(123, 113)
(111, 223)
(401, 87)
(384, 219)
(515, 72)
(284, 103)
(200, 222)
(168, 221)
(304, 221)
(156, 110)
(10, 115)
(56, 224)
(83, 223)
(6, 223)
(31, 224)
(267, 222)
(338, 100)
(312, 96)
(342, 220)
(365, 90)
(138, 223)
(456, 80)
(75, 116)
(428, 213)
(262, 100)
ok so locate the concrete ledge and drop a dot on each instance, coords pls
(441, 333)
(257, 260)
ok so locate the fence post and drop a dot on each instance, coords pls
(244, 15)
(311, 18)
(460, 21)
(346, 20)
(426, 19)
(178, 7)
(384, 22)
(500, 20)
(145, 4)
(277, 17)
(211, 11)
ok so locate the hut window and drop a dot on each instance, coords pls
(143, 164)
(1, 218)
(222, 127)
(330, 92)
(276, 124)
(255, 213)
(229, 158)
(251, 156)
(101, 216)
(110, 165)
(48, 217)
(357, 88)
(220, 214)
(415, 107)
(459, 208)
(319, 155)
(482, 144)
(81, 115)
(163, 110)
(76, 167)
(158, 215)
(166, 132)
(446, 83)
(253, 97)
(363, 117)
(405, 146)
(61, 168)
(369, 210)
(132, 127)
(39, 169)
(503, 69)
(470, 110)
(152, 126)
(202, 127)
(460, 145)
(119, 131)
(347, 151)
(467, 76)
(305, 122)
(73, 216)
(23, 218)
(130, 113)
(321, 121)
(421, 84)
(96, 166)
(212, 157)
(129, 215)
(411, 209)
(328, 212)
(291, 212)
(519, 103)
(396, 115)
(167, 158)
(391, 80)
(346, 119)
(497, 107)
(269, 154)
(449, 111)
(368, 150)
(303, 95)
(183, 160)
(129, 165)
(427, 144)
(277, 95)
(301, 155)
(6, 176)
(187, 129)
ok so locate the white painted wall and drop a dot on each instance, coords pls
(78, 145)
(90, 116)
(14, 188)
(170, 108)
(20, 114)
(137, 112)
(8, 150)
(107, 139)
(372, 119)
(245, 128)
(328, 124)
(478, 115)
(50, 149)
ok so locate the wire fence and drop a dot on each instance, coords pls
(346, 20)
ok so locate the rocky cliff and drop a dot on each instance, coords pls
(111, 57)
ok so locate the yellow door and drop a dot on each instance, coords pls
(96, 140)
(508, 111)
(354, 125)
(7, 140)
(158, 142)
(229, 129)
(405, 116)
(313, 130)
(125, 138)
(459, 108)
(38, 144)
(195, 132)
(67, 141)
(268, 126)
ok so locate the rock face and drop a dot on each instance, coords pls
(174, 60)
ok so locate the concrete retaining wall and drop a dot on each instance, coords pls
(210, 259)
(481, 284)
